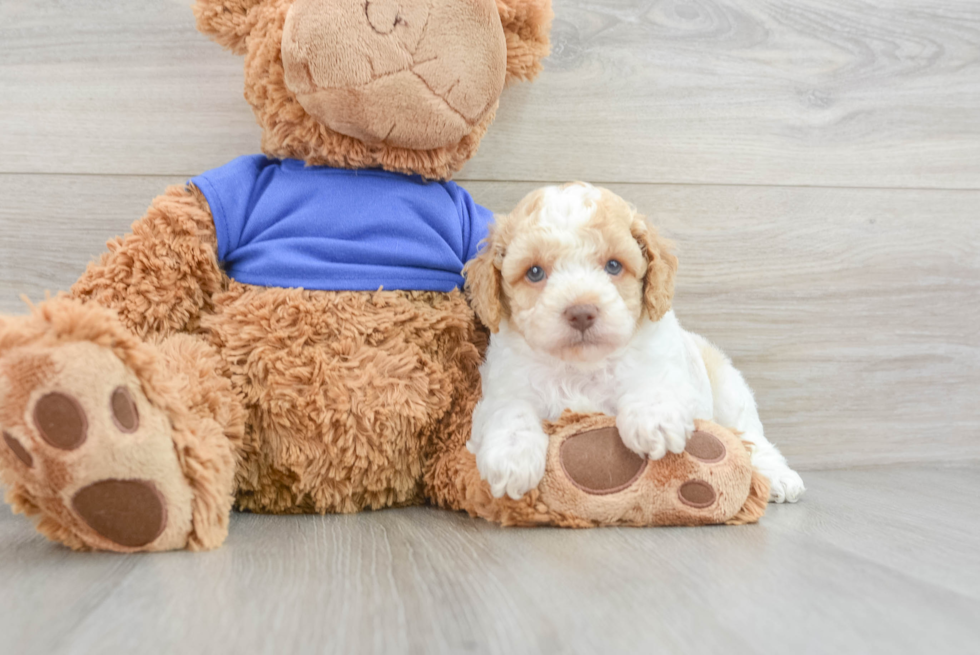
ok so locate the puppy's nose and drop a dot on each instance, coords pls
(581, 317)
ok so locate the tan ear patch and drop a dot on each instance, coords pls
(658, 281)
(484, 285)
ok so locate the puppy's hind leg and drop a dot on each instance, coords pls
(735, 408)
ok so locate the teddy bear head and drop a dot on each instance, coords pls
(405, 85)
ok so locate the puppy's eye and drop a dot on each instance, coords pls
(613, 267)
(535, 274)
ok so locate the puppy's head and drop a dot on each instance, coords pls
(574, 270)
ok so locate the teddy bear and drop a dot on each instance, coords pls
(287, 333)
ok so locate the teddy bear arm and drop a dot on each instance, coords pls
(161, 276)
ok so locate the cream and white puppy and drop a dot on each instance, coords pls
(576, 288)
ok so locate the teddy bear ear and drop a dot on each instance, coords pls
(527, 24)
(228, 22)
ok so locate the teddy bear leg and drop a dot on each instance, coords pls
(114, 443)
(349, 394)
(592, 479)
(593, 475)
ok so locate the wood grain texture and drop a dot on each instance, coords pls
(873, 561)
(852, 313)
(813, 92)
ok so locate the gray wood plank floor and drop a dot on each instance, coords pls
(879, 560)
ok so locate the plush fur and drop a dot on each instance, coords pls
(65, 345)
(283, 400)
(418, 76)
(573, 247)
(651, 499)
(346, 392)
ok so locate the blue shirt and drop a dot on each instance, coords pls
(285, 224)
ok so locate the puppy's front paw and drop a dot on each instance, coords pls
(653, 429)
(785, 485)
(513, 462)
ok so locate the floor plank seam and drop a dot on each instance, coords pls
(465, 180)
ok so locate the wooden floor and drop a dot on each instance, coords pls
(881, 560)
(818, 164)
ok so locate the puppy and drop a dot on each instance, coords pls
(576, 288)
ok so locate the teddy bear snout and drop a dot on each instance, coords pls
(417, 74)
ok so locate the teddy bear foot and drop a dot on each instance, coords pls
(86, 450)
(98, 457)
(593, 479)
(593, 475)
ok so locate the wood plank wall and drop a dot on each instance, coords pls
(817, 161)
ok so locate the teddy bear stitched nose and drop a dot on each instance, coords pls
(581, 317)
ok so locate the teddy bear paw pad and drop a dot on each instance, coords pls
(706, 447)
(697, 493)
(592, 478)
(17, 448)
(598, 462)
(131, 513)
(93, 452)
(60, 421)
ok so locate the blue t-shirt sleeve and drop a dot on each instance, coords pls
(475, 220)
(229, 191)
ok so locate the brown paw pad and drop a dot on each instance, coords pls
(706, 447)
(597, 461)
(697, 493)
(61, 421)
(18, 449)
(124, 412)
(131, 513)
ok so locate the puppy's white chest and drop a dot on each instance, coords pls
(579, 391)
(582, 404)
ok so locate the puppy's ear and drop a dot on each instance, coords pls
(227, 22)
(484, 283)
(526, 26)
(658, 282)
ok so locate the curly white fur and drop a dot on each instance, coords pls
(654, 376)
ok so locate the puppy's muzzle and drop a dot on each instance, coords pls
(581, 317)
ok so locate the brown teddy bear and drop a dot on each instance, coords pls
(286, 333)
